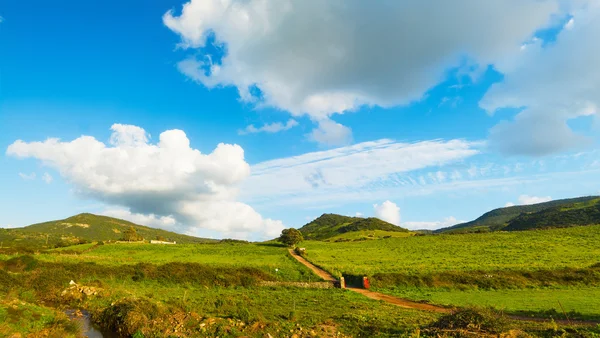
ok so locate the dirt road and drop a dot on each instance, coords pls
(408, 304)
(371, 294)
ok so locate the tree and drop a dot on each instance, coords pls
(130, 235)
(290, 237)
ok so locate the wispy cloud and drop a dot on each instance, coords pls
(27, 177)
(47, 178)
(362, 168)
(269, 127)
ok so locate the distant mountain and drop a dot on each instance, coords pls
(84, 228)
(331, 225)
(522, 215)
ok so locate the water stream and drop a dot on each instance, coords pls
(88, 329)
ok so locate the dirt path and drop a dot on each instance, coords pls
(371, 294)
(408, 304)
(319, 272)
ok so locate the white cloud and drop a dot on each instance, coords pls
(570, 24)
(388, 211)
(269, 128)
(526, 199)
(151, 220)
(331, 133)
(167, 179)
(447, 222)
(359, 214)
(47, 178)
(27, 177)
(347, 170)
(553, 84)
(322, 57)
(509, 204)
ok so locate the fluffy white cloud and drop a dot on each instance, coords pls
(509, 204)
(27, 177)
(269, 127)
(47, 178)
(554, 83)
(388, 211)
(526, 199)
(322, 57)
(315, 177)
(331, 133)
(167, 179)
(447, 222)
(151, 220)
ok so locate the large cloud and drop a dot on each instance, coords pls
(554, 83)
(322, 57)
(168, 180)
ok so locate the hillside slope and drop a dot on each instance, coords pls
(498, 219)
(574, 214)
(331, 225)
(82, 228)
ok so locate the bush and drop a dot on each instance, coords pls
(128, 316)
(21, 264)
(473, 319)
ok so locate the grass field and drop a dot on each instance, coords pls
(575, 247)
(579, 303)
(267, 257)
(368, 235)
(214, 289)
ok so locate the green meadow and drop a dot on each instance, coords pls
(233, 289)
(575, 247)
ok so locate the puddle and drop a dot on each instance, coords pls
(88, 329)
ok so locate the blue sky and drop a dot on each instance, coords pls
(333, 107)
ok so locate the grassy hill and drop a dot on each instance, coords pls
(580, 213)
(83, 228)
(328, 226)
(498, 219)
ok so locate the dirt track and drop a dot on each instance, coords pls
(371, 294)
(408, 304)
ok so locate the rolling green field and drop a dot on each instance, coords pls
(368, 235)
(579, 303)
(575, 247)
(267, 257)
(218, 289)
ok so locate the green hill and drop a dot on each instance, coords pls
(580, 213)
(83, 228)
(499, 219)
(332, 225)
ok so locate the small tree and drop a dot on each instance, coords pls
(130, 235)
(290, 237)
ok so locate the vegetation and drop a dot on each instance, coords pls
(551, 249)
(582, 213)
(578, 302)
(365, 235)
(499, 218)
(332, 225)
(290, 237)
(82, 228)
(235, 288)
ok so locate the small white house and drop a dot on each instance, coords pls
(161, 242)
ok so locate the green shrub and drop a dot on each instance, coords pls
(473, 319)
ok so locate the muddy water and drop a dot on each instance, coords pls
(88, 329)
